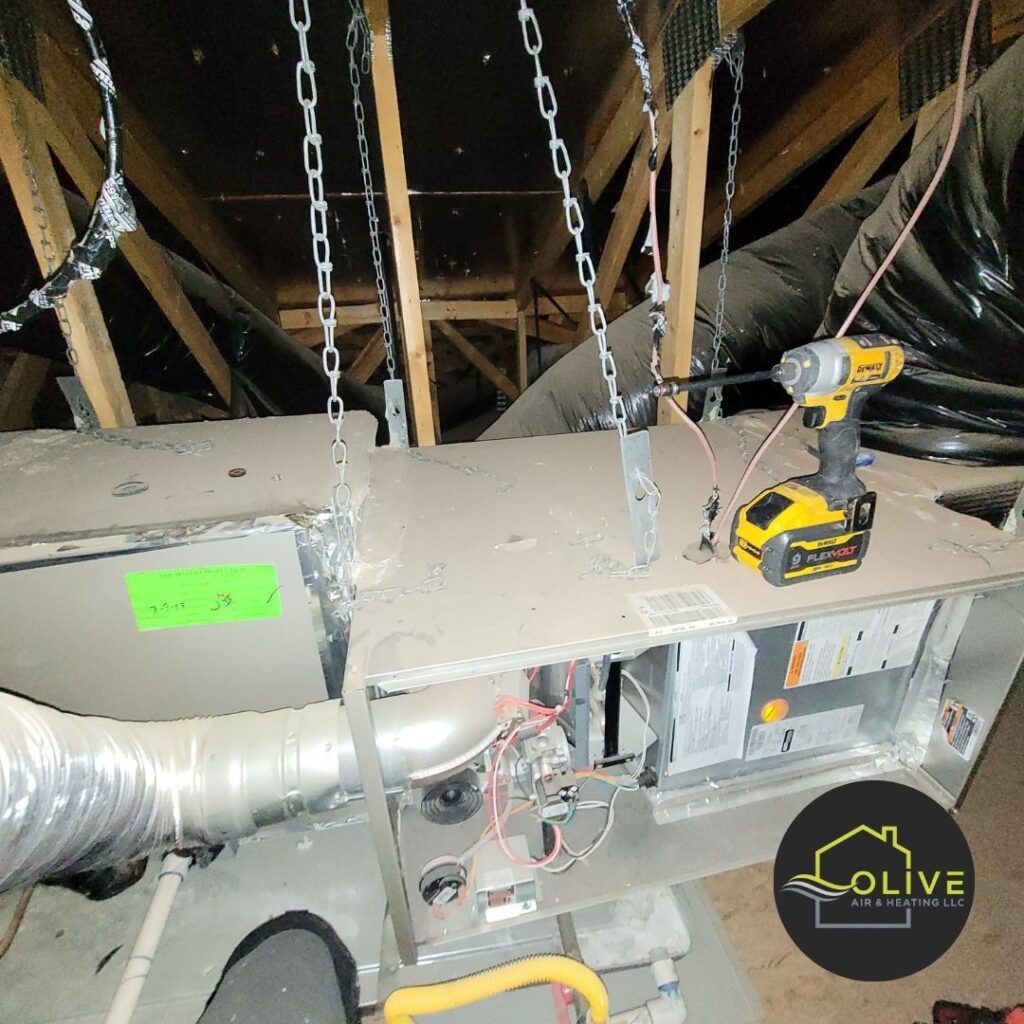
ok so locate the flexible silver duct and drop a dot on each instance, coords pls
(79, 792)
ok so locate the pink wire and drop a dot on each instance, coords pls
(542, 721)
(940, 170)
(726, 517)
(563, 1000)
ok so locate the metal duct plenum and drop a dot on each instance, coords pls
(79, 792)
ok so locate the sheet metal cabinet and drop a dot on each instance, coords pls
(77, 513)
(498, 556)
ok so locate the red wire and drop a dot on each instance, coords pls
(542, 721)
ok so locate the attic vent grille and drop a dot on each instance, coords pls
(688, 39)
(991, 503)
(930, 61)
(18, 45)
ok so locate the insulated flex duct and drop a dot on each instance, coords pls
(79, 792)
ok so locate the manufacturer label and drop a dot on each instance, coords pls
(849, 645)
(203, 596)
(710, 700)
(805, 732)
(962, 727)
(678, 609)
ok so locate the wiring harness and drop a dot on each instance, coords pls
(113, 213)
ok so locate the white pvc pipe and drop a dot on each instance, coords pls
(136, 969)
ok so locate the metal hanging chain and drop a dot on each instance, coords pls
(731, 51)
(534, 43)
(113, 212)
(305, 87)
(358, 39)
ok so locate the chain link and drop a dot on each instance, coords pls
(306, 91)
(731, 52)
(546, 100)
(358, 39)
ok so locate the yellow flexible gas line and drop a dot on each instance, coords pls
(533, 970)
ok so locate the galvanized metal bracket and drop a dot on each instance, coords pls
(394, 410)
(82, 410)
(642, 496)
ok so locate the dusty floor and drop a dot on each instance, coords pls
(984, 967)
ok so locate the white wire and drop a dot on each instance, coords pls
(575, 858)
(642, 756)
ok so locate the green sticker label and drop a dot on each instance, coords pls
(203, 596)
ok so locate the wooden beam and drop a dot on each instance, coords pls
(40, 201)
(522, 353)
(166, 407)
(845, 97)
(633, 205)
(734, 14)
(389, 127)
(437, 309)
(435, 405)
(151, 168)
(841, 101)
(20, 388)
(69, 142)
(691, 116)
(474, 356)
(543, 329)
(880, 137)
(366, 363)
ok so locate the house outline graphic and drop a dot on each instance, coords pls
(887, 835)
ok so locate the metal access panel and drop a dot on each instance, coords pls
(81, 515)
(732, 706)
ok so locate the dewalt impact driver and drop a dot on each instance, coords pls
(814, 525)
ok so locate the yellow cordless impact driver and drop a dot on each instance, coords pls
(814, 525)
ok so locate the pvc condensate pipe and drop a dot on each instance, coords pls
(136, 969)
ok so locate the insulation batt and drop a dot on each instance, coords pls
(78, 792)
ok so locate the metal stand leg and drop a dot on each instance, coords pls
(382, 827)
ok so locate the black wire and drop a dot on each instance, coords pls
(98, 243)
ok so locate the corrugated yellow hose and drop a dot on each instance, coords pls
(403, 1003)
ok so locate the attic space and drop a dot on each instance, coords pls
(511, 510)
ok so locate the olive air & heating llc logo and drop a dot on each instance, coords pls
(874, 880)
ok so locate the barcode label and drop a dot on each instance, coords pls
(961, 726)
(678, 609)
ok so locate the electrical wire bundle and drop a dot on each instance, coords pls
(533, 719)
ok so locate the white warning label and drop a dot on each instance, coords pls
(804, 732)
(850, 645)
(710, 699)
